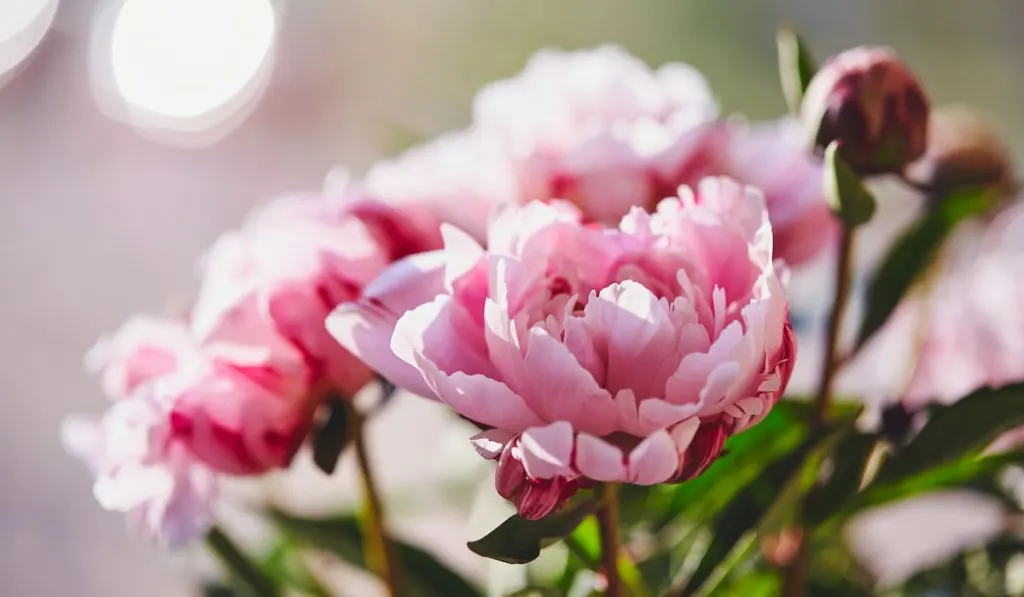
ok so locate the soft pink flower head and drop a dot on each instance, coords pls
(267, 288)
(596, 127)
(591, 354)
(239, 408)
(142, 349)
(965, 324)
(457, 178)
(142, 471)
(774, 158)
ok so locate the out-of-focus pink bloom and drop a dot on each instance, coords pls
(457, 178)
(142, 349)
(774, 158)
(896, 541)
(591, 354)
(965, 323)
(142, 471)
(267, 289)
(597, 127)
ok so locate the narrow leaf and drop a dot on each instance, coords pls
(423, 574)
(285, 564)
(745, 511)
(957, 430)
(330, 438)
(848, 464)
(518, 541)
(245, 575)
(911, 255)
(852, 203)
(796, 67)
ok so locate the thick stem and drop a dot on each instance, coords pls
(380, 556)
(608, 525)
(795, 574)
(829, 366)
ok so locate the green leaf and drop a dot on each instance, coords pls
(218, 590)
(957, 430)
(744, 457)
(246, 577)
(422, 573)
(852, 203)
(796, 67)
(848, 463)
(286, 565)
(518, 541)
(331, 437)
(746, 510)
(958, 473)
(911, 256)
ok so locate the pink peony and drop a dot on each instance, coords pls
(590, 354)
(267, 288)
(773, 157)
(143, 471)
(457, 178)
(965, 324)
(596, 127)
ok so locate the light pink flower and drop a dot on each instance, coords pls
(143, 348)
(596, 127)
(457, 178)
(774, 158)
(964, 324)
(267, 288)
(142, 471)
(591, 354)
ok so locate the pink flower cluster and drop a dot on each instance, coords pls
(232, 389)
(599, 128)
(588, 354)
(615, 326)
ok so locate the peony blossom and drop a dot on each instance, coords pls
(143, 471)
(590, 354)
(457, 178)
(773, 157)
(597, 127)
(964, 326)
(267, 288)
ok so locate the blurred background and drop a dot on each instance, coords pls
(132, 133)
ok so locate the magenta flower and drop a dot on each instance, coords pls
(596, 127)
(590, 354)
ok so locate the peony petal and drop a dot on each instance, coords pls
(479, 398)
(653, 460)
(683, 434)
(598, 460)
(558, 389)
(547, 451)
(490, 443)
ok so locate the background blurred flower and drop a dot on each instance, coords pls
(594, 354)
(774, 158)
(595, 126)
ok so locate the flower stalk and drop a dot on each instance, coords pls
(380, 556)
(829, 366)
(608, 526)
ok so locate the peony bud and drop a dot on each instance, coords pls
(871, 103)
(963, 151)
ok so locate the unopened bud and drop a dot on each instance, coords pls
(870, 102)
(963, 151)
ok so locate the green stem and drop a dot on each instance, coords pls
(378, 550)
(795, 574)
(829, 366)
(238, 565)
(608, 527)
